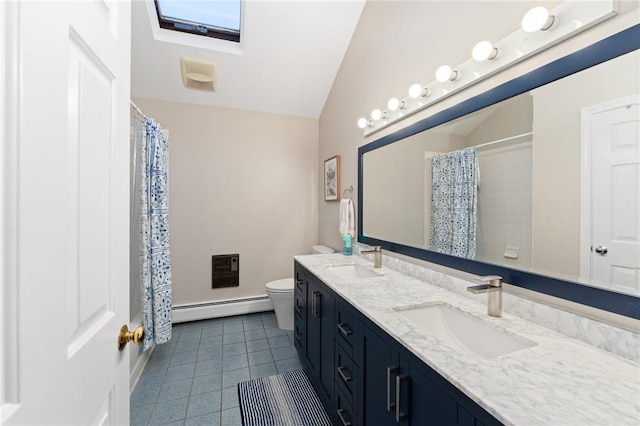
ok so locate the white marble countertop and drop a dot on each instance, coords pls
(559, 381)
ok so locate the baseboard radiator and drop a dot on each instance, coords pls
(223, 308)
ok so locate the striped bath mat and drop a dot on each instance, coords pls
(286, 399)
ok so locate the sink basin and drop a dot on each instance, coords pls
(353, 271)
(463, 331)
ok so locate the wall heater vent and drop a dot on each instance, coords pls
(225, 270)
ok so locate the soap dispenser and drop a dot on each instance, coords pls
(347, 250)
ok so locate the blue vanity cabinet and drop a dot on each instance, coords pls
(422, 402)
(325, 307)
(312, 313)
(426, 398)
(379, 365)
(313, 332)
(400, 389)
(363, 376)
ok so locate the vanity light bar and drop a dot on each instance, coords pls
(569, 18)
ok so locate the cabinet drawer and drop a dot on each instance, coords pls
(344, 413)
(346, 372)
(345, 326)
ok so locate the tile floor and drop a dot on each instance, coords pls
(192, 379)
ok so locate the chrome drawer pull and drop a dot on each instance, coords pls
(342, 375)
(345, 332)
(298, 337)
(400, 417)
(299, 284)
(390, 371)
(344, 422)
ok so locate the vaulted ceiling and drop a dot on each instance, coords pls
(289, 55)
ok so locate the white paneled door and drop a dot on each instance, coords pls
(614, 252)
(67, 110)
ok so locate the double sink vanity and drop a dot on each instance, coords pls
(384, 348)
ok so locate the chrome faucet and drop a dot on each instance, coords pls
(493, 287)
(377, 260)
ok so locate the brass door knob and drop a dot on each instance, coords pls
(126, 336)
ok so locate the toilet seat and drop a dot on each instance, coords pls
(284, 285)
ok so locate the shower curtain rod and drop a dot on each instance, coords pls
(482, 145)
(504, 140)
(136, 108)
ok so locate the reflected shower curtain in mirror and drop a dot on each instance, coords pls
(454, 200)
(151, 161)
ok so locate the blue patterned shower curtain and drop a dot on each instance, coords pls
(454, 200)
(155, 255)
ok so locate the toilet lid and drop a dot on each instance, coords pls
(284, 285)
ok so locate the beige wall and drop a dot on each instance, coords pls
(239, 182)
(398, 43)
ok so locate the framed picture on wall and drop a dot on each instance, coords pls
(332, 178)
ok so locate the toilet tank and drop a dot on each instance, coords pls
(320, 249)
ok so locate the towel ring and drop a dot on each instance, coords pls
(350, 189)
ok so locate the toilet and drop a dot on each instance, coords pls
(281, 294)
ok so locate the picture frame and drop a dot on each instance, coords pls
(332, 178)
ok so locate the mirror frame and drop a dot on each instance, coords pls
(604, 50)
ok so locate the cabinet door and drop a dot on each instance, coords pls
(312, 352)
(320, 338)
(426, 398)
(380, 365)
(326, 373)
(421, 401)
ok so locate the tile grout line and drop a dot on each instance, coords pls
(265, 321)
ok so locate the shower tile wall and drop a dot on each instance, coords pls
(505, 204)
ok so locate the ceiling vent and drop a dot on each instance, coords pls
(199, 75)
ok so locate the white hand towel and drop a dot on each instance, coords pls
(347, 218)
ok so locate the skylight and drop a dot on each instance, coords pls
(213, 18)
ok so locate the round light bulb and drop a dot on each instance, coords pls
(393, 104)
(537, 19)
(415, 91)
(362, 123)
(376, 114)
(483, 51)
(445, 73)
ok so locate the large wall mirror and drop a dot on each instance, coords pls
(536, 180)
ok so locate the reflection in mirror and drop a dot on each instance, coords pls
(557, 182)
(398, 178)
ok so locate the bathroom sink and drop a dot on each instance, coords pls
(462, 331)
(353, 271)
